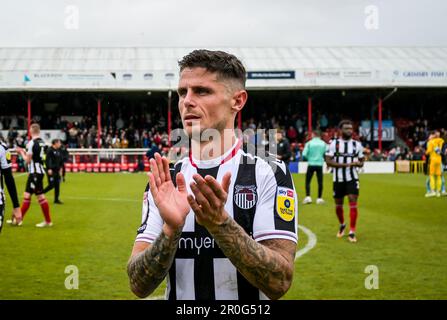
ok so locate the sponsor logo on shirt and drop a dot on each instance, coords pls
(196, 243)
(285, 203)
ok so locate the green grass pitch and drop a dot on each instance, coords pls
(399, 231)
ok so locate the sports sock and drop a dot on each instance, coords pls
(25, 206)
(339, 212)
(432, 183)
(438, 184)
(45, 209)
(427, 185)
(353, 215)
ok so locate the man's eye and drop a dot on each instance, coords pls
(202, 91)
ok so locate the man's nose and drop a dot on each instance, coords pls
(189, 99)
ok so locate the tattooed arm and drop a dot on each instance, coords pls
(267, 265)
(150, 263)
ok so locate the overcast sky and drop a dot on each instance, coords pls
(208, 23)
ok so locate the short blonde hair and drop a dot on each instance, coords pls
(34, 128)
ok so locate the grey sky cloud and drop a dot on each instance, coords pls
(208, 23)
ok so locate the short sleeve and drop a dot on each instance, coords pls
(306, 150)
(330, 151)
(29, 147)
(4, 161)
(360, 152)
(151, 221)
(276, 213)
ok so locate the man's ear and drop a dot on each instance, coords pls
(239, 99)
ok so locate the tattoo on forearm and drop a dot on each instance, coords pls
(147, 269)
(264, 267)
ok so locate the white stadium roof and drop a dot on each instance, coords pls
(149, 68)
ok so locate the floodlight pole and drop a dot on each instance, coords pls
(380, 124)
(380, 110)
(309, 116)
(98, 101)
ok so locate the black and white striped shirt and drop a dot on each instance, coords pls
(36, 148)
(4, 164)
(262, 199)
(345, 151)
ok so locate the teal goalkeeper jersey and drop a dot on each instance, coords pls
(314, 151)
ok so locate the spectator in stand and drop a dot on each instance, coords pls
(422, 136)
(299, 124)
(376, 156)
(418, 154)
(292, 134)
(108, 141)
(119, 123)
(165, 139)
(116, 142)
(157, 138)
(145, 141)
(367, 152)
(72, 137)
(12, 135)
(14, 122)
(124, 141)
(392, 155)
(283, 148)
(62, 136)
(323, 122)
(150, 154)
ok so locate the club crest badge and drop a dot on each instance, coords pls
(245, 197)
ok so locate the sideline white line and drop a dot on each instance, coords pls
(311, 243)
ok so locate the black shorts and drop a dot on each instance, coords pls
(34, 184)
(342, 189)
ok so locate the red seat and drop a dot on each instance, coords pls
(147, 167)
(75, 167)
(124, 167)
(88, 167)
(132, 167)
(82, 167)
(68, 167)
(15, 166)
(96, 167)
(117, 167)
(110, 167)
(103, 167)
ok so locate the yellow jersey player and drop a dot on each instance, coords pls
(434, 151)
